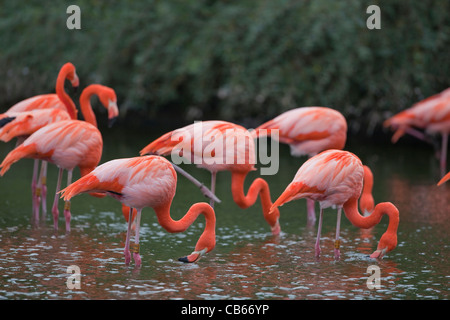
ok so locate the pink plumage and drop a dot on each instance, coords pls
(140, 182)
(334, 178)
(309, 130)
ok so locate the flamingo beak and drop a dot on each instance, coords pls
(193, 257)
(378, 254)
(111, 121)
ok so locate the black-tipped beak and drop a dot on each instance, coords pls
(75, 89)
(112, 121)
(5, 121)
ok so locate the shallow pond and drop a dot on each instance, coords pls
(248, 262)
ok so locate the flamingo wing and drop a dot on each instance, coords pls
(43, 101)
(136, 182)
(331, 178)
(25, 123)
(214, 145)
(309, 130)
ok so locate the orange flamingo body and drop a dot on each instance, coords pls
(141, 182)
(432, 115)
(236, 154)
(334, 178)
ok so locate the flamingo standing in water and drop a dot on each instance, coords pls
(334, 178)
(68, 144)
(141, 182)
(432, 115)
(309, 131)
(63, 108)
(218, 146)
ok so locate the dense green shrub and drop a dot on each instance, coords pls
(232, 60)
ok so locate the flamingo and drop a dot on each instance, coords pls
(59, 101)
(68, 144)
(219, 146)
(141, 182)
(432, 115)
(334, 178)
(309, 131)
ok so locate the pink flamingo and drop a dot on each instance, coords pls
(141, 182)
(68, 144)
(334, 178)
(432, 115)
(219, 146)
(60, 101)
(309, 131)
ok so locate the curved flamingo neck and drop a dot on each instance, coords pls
(366, 202)
(351, 212)
(61, 92)
(258, 187)
(207, 239)
(85, 103)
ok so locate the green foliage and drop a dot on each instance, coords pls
(232, 59)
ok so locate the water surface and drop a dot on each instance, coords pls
(248, 262)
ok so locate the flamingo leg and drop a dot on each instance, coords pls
(126, 252)
(67, 214)
(43, 186)
(443, 161)
(206, 192)
(55, 211)
(310, 207)
(34, 190)
(135, 248)
(337, 242)
(319, 230)
(213, 187)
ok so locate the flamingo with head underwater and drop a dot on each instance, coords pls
(334, 178)
(309, 131)
(140, 182)
(68, 144)
(431, 115)
(219, 146)
(29, 115)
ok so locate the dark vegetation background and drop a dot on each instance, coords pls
(173, 62)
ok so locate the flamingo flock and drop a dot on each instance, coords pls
(48, 130)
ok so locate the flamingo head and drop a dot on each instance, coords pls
(387, 243)
(108, 99)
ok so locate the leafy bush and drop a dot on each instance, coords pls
(233, 60)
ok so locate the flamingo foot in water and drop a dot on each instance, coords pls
(127, 255)
(137, 259)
